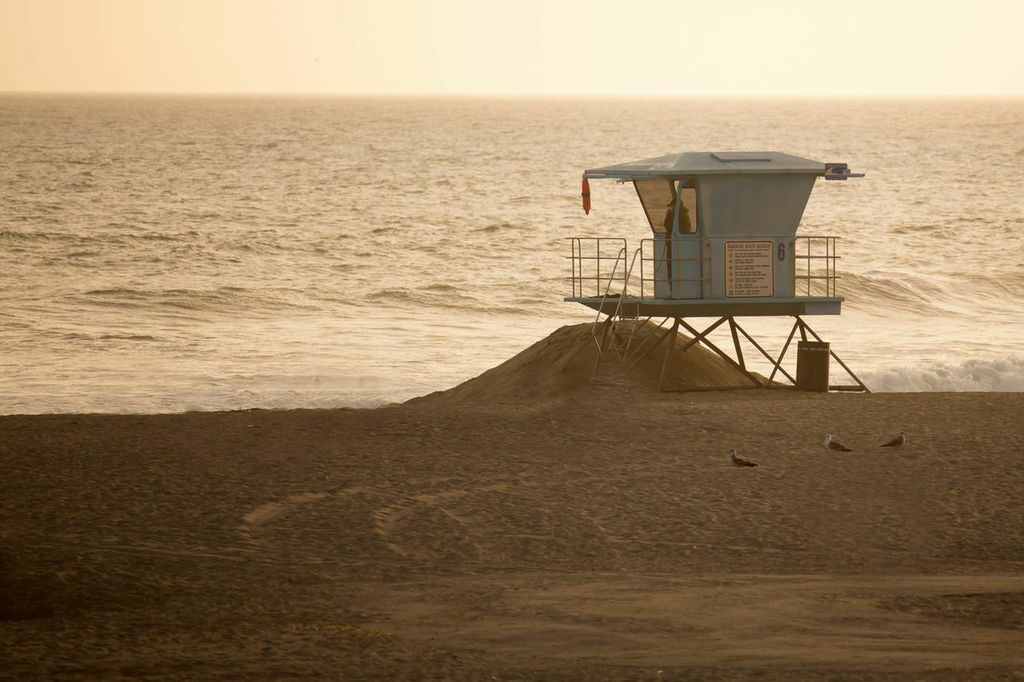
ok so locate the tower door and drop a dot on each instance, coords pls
(686, 246)
(671, 210)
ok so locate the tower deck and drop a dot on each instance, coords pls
(635, 306)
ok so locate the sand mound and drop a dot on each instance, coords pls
(563, 364)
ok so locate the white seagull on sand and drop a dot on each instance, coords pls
(835, 445)
(896, 442)
(737, 461)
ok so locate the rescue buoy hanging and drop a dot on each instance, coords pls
(585, 194)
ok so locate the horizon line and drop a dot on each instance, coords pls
(522, 95)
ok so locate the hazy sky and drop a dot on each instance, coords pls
(814, 47)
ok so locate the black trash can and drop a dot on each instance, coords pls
(812, 365)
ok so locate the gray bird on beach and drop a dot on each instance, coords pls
(896, 442)
(835, 445)
(738, 461)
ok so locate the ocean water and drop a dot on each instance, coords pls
(197, 253)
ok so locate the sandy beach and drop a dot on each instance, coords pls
(527, 525)
(338, 341)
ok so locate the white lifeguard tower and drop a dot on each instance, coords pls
(724, 244)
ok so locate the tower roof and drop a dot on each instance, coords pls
(709, 163)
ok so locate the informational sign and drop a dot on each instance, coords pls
(749, 269)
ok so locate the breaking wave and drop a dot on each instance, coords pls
(1004, 374)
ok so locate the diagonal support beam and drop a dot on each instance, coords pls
(736, 343)
(697, 337)
(651, 349)
(702, 337)
(777, 365)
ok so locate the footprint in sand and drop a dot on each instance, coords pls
(386, 519)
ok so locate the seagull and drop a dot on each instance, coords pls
(835, 445)
(736, 461)
(896, 442)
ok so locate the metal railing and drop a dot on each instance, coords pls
(595, 265)
(703, 280)
(602, 267)
(820, 254)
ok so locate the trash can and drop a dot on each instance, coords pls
(812, 365)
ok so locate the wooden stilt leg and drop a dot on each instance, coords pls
(736, 344)
(778, 365)
(668, 351)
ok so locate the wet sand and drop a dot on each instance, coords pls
(596, 534)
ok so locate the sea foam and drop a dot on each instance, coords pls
(1000, 374)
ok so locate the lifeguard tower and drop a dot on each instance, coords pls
(724, 244)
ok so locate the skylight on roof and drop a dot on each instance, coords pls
(736, 157)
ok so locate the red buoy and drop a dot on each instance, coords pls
(585, 193)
